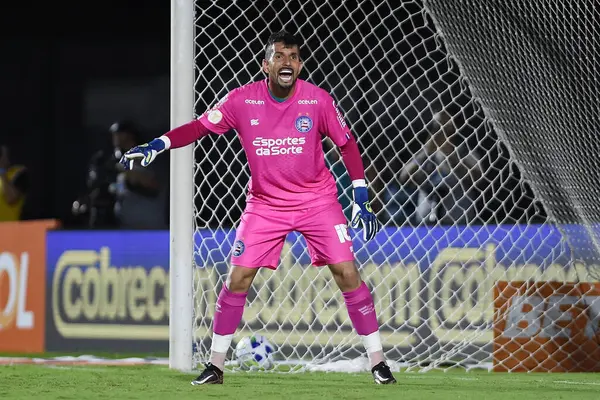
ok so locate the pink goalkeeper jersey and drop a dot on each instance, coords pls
(282, 142)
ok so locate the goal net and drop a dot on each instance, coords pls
(477, 133)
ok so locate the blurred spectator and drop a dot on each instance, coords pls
(14, 184)
(443, 174)
(400, 204)
(394, 203)
(133, 199)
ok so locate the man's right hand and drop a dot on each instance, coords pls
(147, 152)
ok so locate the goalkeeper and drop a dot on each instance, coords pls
(280, 122)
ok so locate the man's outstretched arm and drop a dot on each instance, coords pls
(220, 119)
(175, 138)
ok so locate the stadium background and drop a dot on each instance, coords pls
(72, 72)
(69, 71)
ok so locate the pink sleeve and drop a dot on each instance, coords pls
(186, 134)
(221, 117)
(352, 159)
(333, 123)
(335, 127)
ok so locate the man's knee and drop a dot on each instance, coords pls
(240, 279)
(346, 275)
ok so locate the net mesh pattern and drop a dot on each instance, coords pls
(463, 194)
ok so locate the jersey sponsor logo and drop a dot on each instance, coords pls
(238, 248)
(254, 102)
(215, 116)
(303, 124)
(311, 101)
(280, 146)
(339, 115)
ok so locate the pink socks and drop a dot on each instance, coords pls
(228, 311)
(362, 310)
(364, 319)
(228, 315)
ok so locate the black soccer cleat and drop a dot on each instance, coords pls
(382, 374)
(210, 376)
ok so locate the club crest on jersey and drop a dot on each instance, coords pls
(303, 124)
(238, 248)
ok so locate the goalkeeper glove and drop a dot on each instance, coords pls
(362, 213)
(147, 152)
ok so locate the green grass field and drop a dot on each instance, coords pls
(158, 382)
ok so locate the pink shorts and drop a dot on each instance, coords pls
(262, 232)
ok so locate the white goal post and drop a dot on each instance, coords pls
(181, 210)
(478, 217)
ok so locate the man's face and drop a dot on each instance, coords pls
(284, 65)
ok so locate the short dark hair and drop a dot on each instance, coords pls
(284, 37)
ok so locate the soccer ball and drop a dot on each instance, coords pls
(254, 352)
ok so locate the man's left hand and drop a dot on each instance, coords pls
(363, 214)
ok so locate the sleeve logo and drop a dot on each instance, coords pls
(215, 116)
(339, 115)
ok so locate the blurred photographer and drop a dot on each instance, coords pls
(117, 198)
(141, 194)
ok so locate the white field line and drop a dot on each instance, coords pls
(577, 383)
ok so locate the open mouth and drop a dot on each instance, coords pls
(286, 75)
